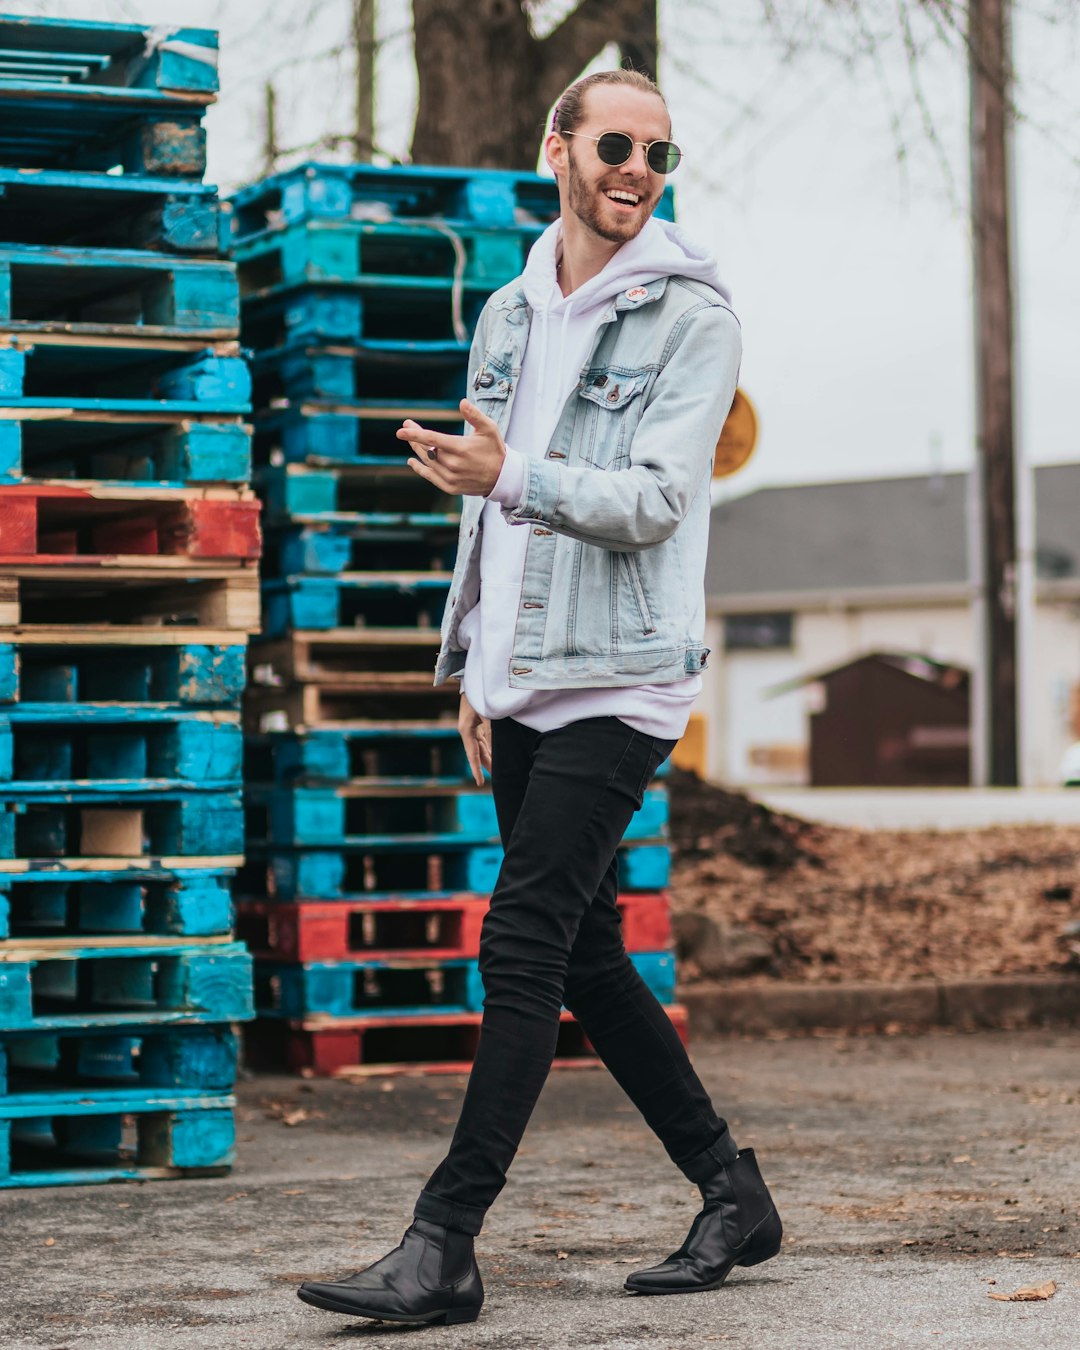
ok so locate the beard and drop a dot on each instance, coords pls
(584, 200)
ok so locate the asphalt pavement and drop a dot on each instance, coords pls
(915, 1175)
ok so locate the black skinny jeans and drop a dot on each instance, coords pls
(553, 936)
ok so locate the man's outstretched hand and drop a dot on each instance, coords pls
(465, 465)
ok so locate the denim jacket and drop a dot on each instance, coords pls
(618, 507)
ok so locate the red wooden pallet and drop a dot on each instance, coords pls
(53, 523)
(366, 1047)
(434, 928)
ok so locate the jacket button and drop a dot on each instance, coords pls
(614, 395)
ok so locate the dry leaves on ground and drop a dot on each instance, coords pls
(842, 904)
(1032, 1293)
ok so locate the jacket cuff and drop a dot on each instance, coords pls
(511, 480)
(540, 493)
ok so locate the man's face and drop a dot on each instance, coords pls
(597, 192)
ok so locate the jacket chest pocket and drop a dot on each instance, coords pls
(617, 401)
(490, 388)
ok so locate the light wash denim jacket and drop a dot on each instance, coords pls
(619, 505)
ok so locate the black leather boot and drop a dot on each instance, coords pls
(431, 1276)
(739, 1226)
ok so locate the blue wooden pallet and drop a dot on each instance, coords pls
(117, 291)
(103, 210)
(419, 310)
(49, 679)
(432, 865)
(122, 376)
(393, 600)
(193, 1059)
(367, 541)
(319, 431)
(495, 198)
(66, 1139)
(153, 982)
(117, 751)
(141, 899)
(406, 987)
(129, 447)
(431, 752)
(392, 368)
(399, 252)
(76, 825)
(309, 494)
(348, 815)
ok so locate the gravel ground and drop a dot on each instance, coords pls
(916, 1175)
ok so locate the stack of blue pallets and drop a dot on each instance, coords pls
(371, 853)
(129, 539)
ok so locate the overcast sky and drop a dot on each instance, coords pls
(845, 243)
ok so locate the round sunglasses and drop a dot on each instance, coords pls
(616, 147)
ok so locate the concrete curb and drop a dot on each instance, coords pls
(1006, 1002)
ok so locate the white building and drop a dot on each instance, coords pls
(801, 579)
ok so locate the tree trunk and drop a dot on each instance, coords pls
(991, 87)
(486, 83)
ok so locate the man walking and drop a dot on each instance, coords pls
(600, 381)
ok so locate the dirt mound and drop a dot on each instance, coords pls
(706, 819)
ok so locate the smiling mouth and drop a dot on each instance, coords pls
(623, 198)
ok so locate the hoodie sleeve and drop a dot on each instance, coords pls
(671, 452)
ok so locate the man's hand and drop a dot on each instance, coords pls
(475, 734)
(466, 465)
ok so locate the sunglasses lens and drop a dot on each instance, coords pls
(614, 147)
(664, 156)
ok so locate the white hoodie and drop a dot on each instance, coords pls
(560, 342)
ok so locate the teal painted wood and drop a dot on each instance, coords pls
(326, 874)
(124, 288)
(316, 432)
(400, 251)
(105, 1102)
(645, 867)
(147, 902)
(371, 541)
(125, 55)
(118, 751)
(55, 1147)
(65, 206)
(392, 368)
(194, 1059)
(410, 988)
(124, 379)
(47, 683)
(405, 987)
(337, 602)
(330, 495)
(160, 449)
(493, 198)
(169, 824)
(415, 753)
(329, 817)
(85, 987)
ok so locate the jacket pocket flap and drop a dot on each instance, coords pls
(613, 390)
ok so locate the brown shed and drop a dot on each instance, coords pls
(889, 720)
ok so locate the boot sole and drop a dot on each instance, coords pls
(448, 1317)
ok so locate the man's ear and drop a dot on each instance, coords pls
(555, 153)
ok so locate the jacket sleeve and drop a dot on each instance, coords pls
(670, 455)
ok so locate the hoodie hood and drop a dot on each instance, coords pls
(661, 249)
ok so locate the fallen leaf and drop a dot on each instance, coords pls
(50, 1242)
(561, 1256)
(294, 1117)
(1031, 1293)
(294, 1192)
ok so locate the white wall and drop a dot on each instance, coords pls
(743, 722)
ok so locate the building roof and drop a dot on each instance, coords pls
(872, 534)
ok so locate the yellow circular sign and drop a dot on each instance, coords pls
(738, 438)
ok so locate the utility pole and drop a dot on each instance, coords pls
(995, 413)
(363, 34)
